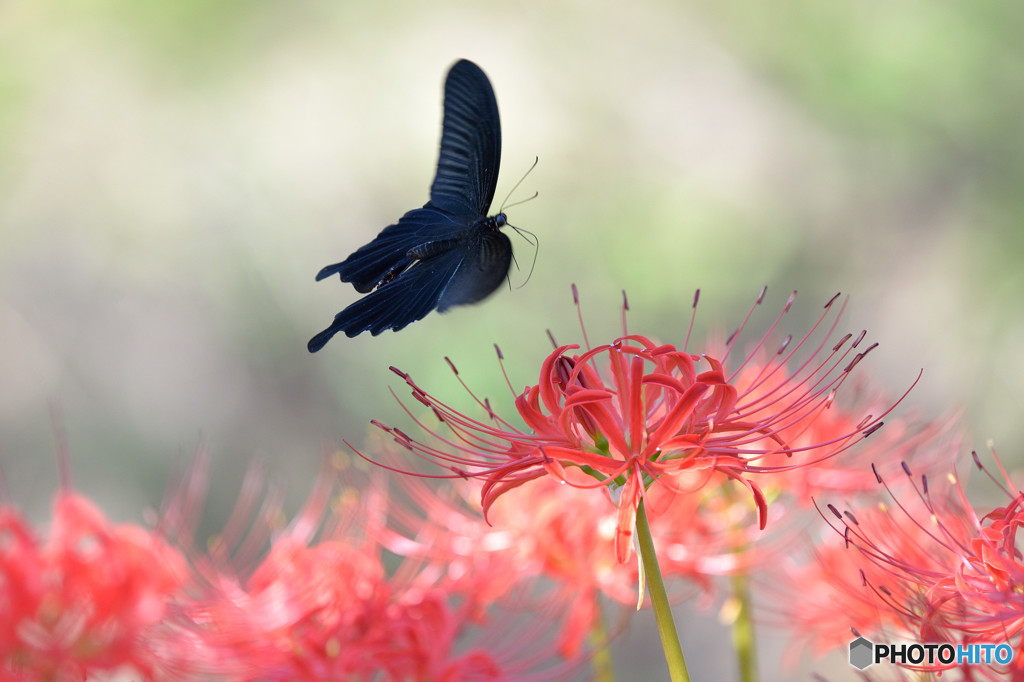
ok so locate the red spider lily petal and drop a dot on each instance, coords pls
(759, 499)
(495, 487)
(88, 599)
(678, 415)
(629, 500)
(22, 571)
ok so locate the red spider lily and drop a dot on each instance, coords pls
(97, 598)
(814, 590)
(323, 605)
(941, 569)
(87, 600)
(440, 532)
(822, 601)
(329, 611)
(563, 540)
(631, 413)
(709, 534)
(905, 439)
(566, 540)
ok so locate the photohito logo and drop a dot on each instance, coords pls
(863, 653)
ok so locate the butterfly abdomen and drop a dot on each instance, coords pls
(427, 249)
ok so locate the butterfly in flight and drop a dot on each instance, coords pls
(449, 252)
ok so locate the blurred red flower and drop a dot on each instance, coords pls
(936, 568)
(335, 597)
(87, 599)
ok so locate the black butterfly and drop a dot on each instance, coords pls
(448, 252)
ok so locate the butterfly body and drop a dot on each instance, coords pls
(449, 252)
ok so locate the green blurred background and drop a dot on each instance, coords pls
(174, 174)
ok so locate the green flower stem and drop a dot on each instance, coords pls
(743, 630)
(601, 664)
(659, 598)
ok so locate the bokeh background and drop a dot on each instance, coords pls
(174, 174)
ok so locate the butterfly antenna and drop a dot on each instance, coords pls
(534, 241)
(505, 203)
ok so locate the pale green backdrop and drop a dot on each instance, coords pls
(173, 175)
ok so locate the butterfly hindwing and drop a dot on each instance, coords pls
(481, 271)
(396, 303)
(386, 256)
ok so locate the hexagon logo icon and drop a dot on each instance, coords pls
(861, 653)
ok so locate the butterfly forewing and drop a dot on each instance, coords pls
(467, 166)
